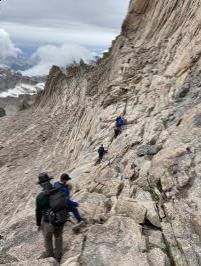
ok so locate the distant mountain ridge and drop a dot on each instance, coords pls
(9, 79)
(17, 91)
(20, 63)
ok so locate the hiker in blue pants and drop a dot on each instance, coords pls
(72, 205)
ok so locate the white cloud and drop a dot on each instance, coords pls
(106, 13)
(7, 48)
(84, 35)
(55, 26)
(85, 22)
(63, 55)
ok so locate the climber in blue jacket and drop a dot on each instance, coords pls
(119, 123)
(72, 205)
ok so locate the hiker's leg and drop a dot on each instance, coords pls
(76, 214)
(72, 207)
(100, 157)
(116, 132)
(58, 234)
(48, 230)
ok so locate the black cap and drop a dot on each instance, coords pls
(65, 176)
(43, 177)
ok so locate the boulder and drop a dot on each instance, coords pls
(155, 239)
(148, 150)
(152, 214)
(130, 208)
(108, 187)
(117, 242)
(93, 206)
(158, 257)
(74, 246)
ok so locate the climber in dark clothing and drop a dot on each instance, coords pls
(43, 223)
(101, 152)
(72, 205)
(118, 126)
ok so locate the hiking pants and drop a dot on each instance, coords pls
(117, 131)
(72, 207)
(101, 155)
(48, 231)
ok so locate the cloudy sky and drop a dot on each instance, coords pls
(69, 28)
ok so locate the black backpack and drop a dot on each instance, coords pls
(58, 213)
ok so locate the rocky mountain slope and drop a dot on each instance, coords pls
(142, 204)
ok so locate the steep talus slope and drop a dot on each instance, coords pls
(142, 203)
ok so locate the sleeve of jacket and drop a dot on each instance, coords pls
(39, 211)
(69, 189)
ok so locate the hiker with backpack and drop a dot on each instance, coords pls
(119, 123)
(72, 206)
(101, 152)
(51, 215)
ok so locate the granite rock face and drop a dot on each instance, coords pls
(140, 210)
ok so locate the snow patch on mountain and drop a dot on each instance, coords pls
(21, 89)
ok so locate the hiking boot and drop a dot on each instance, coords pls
(78, 226)
(58, 259)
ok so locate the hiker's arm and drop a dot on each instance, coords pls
(70, 188)
(39, 213)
